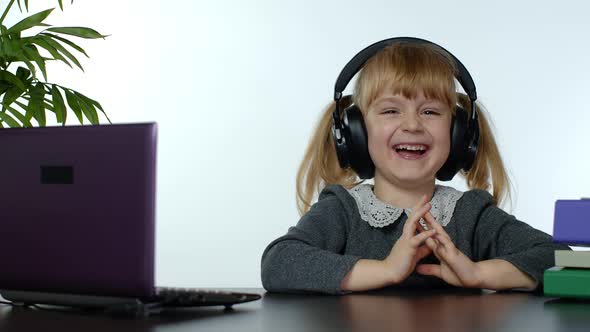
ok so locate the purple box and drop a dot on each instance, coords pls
(572, 222)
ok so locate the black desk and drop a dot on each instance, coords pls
(375, 311)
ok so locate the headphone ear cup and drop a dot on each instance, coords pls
(355, 134)
(341, 145)
(472, 144)
(457, 151)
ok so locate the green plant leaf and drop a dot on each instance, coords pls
(59, 47)
(87, 108)
(90, 101)
(81, 32)
(68, 42)
(10, 77)
(35, 105)
(20, 117)
(31, 21)
(61, 5)
(95, 104)
(4, 85)
(28, 114)
(32, 54)
(20, 7)
(10, 121)
(74, 105)
(10, 47)
(11, 96)
(58, 104)
(23, 73)
(47, 104)
(15, 91)
(29, 65)
(42, 42)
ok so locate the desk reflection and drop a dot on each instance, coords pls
(20, 319)
(29, 319)
(384, 310)
(569, 314)
(394, 310)
(455, 312)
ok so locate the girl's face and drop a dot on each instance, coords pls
(409, 139)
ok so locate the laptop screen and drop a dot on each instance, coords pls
(78, 209)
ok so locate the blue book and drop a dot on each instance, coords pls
(571, 225)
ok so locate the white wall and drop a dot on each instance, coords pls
(236, 87)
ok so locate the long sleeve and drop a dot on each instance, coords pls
(502, 236)
(309, 258)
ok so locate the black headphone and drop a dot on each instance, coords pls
(350, 133)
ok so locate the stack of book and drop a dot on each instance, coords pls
(570, 277)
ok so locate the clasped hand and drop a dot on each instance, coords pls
(416, 243)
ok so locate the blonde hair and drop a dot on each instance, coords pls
(406, 69)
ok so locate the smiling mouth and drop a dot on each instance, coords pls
(410, 151)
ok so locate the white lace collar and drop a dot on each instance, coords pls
(379, 214)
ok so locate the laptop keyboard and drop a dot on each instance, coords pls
(189, 297)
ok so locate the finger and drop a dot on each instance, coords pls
(412, 221)
(423, 224)
(434, 224)
(431, 222)
(423, 200)
(422, 252)
(418, 209)
(429, 270)
(445, 249)
(436, 246)
(431, 243)
(444, 241)
(421, 237)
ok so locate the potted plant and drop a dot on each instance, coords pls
(25, 93)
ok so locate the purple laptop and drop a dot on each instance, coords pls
(78, 218)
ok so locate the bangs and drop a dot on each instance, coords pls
(407, 69)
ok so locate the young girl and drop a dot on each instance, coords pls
(406, 127)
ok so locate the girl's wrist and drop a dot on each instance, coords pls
(498, 274)
(392, 276)
(481, 275)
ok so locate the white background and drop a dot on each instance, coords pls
(237, 86)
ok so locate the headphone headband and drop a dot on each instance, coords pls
(359, 60)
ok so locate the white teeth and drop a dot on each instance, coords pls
(411, 147)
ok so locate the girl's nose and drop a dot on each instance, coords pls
(412, 122)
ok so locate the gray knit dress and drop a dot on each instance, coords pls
(317, 253)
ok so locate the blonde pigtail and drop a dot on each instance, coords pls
(488, 171)
(320, 166)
